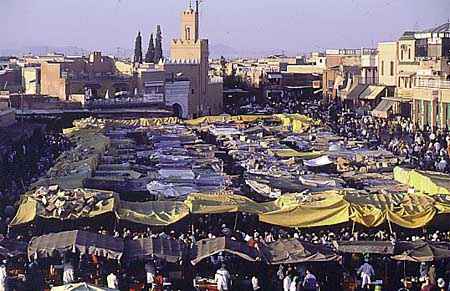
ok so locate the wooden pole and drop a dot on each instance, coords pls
(235, 221)
(390, 226)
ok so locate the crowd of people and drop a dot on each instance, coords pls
(22, 162)
(425, 149)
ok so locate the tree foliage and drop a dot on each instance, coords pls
(138, 49)
(158, 45)
(150, 55)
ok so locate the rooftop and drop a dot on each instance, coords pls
(441, 28)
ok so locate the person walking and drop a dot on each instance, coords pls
(112, 281)
(255, 283)
(366, 272)
(3, 276)
(287, 282)
(223, 279)
(310, 282)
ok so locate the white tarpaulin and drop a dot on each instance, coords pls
(169, 190)
(318, 162)
(318, 181)
(177, 173)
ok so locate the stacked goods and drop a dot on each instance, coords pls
(69, 204)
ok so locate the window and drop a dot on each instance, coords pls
(426, 109)
(409, 53)
(401, 55)
(448, 114)
(392, 68)
(382, 68)
(188, 33)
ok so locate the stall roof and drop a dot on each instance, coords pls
(208, 247)
(365, 247)
(293, 251)
(85, 242)
(169, 250)
(422, 251)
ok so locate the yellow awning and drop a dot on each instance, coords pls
(320, 210)
(155, 213)
(371, 92)
(423, 181)
(382, 109)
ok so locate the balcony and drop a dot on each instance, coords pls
(429, 83)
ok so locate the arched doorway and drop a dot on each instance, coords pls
(177, 110)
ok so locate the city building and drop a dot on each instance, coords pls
(345, 70)
(74, 78)
(418, 66)
(189, 61)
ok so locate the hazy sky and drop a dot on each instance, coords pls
(294, 25)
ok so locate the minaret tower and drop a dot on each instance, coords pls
(189, 23)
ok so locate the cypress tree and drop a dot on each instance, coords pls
(150, 55)
(138, 49)
(158, 45)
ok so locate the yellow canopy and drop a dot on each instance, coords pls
(320, 210)
(296, 122)
(30, 208)
(423, 181)
(225, 118)
(223, 203)
(155, 213)
(367, 215)
(406, 210)
(26, 212)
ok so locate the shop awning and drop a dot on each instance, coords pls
(293, 251)
(85, 242)
(356, 91)
(166, 249)
(208, 247)
(422, 251)
(365, 247)
(371, 92)
(382, 110)
(80, 287)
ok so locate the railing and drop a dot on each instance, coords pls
(125, 101)
(441, 84)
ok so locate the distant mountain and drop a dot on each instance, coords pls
(215, 50)
(218, 50)
(42, 50)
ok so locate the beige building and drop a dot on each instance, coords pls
(189, 60)
(31, 79)
(346, 69)
(418, 65)
(387, 63)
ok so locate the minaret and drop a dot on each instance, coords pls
(189, 23)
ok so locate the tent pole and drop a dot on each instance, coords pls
(353, 227)
(390, 226)
(404, 269)
(235, 221)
